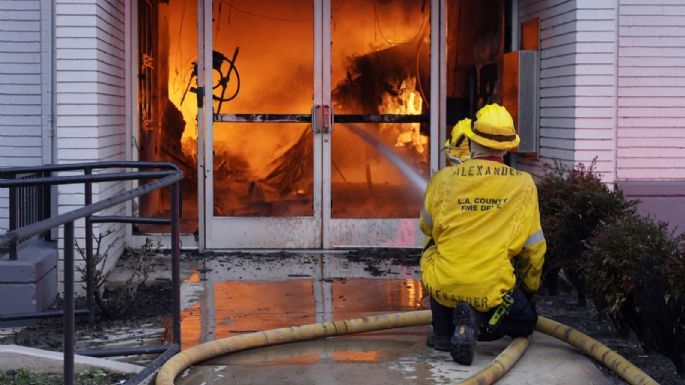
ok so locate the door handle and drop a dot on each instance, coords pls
(322, 119)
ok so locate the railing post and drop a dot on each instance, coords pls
(69, 303)
(88, 190)
(13, 220)
(175, 262)
(46, 203)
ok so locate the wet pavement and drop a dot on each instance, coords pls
(238, 293)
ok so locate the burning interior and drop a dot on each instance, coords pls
(264, 64)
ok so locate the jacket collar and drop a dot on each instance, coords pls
(492, 158)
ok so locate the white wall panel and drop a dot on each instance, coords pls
(21, 89)
(651, 90)
(577, 81)
(90, 97)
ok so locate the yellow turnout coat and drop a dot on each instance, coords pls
(480, 215)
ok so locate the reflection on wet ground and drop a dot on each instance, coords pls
(235, 294)
(388, 357)
(238, 293)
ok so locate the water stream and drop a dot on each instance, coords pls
(416, 179)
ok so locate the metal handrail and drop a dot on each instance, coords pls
(82, 166)
(71, 179)
(10, 181)
(170, 177)
(47, 224)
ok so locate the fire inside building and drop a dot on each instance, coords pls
(309, 126)
(291, 85)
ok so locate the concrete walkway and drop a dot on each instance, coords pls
(235, 294)
(44, 361)
(393, 357)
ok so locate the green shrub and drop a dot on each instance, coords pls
(634, 268)
(613, 256)
(675, 274)
(88, 377)
(661, 303)
(573, 202)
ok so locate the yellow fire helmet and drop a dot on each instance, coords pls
(494, 128)
(457, 146)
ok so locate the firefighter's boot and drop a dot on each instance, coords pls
(441, 343)
(466, 327)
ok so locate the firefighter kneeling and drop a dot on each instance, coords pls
(484, 245)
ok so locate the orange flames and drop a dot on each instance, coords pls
(267, 169)
(408, 102)
(379, 64)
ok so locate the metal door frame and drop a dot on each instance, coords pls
(392, 232)
(255, 232)
(324, 231)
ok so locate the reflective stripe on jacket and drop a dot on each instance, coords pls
(480, 214)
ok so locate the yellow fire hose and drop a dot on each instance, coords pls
(590, 346)
(497, 368)
(500, 365)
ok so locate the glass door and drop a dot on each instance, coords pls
(262, 86)
(380, 151)
(316, 122)
(319, 119)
